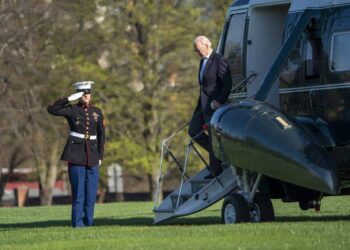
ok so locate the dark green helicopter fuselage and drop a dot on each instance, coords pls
(289, 114)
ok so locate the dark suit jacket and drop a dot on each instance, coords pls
(215, 85)
(83, 119)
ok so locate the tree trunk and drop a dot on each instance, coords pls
(102, 194)
(46, 196)
(14, 161)
(47, 173)
(153, 180)
(47, 183)
(2, 187)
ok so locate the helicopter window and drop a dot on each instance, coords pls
(290, 73)
(313, 58)
(340, 52)
(233, 50)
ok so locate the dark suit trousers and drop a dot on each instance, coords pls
(204, 140)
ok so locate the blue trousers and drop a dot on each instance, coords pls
(84, 183)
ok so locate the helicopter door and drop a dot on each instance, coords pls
(264, 40)
(233, 49)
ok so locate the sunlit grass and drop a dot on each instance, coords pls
(129, 226)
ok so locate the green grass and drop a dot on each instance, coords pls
(128, 226)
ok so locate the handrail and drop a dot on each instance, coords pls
(253, 74)
(175, 160)
(164, 146)
(176, 132)
(183, 175)
(160, 174)
(189, 146)
(183, 170)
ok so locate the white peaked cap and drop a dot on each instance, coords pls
(83, 85)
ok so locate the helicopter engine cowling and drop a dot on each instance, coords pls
(256, 136)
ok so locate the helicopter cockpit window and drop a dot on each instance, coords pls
(340, 52)
(233, 48)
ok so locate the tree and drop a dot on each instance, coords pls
(31, 51)
(138, 52)
(22, 25)
(155, 77)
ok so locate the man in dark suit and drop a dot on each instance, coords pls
(83, 151)
(215, 82)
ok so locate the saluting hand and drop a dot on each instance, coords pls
(75, 96)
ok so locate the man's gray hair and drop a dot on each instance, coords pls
(202, 40)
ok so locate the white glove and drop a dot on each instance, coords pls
(99, 162)
(75, 96)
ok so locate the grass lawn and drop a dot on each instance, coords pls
(129, 226)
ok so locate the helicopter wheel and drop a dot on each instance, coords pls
(234, 209)
(261, 210)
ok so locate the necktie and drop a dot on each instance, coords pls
(202, 68)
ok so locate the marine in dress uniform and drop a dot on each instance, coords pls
(83, 151)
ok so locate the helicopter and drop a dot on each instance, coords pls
(284, 133)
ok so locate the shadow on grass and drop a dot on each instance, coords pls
(217, 220)
(198, 221)
(36, 224)
(133, 221)
(323, 218)
(147, 221)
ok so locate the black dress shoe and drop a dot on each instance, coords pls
(209, 176)
(219, 172)
(225, 165)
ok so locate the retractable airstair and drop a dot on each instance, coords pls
(195, 193)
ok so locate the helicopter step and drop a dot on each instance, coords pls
(196, 194)
(197, 185)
